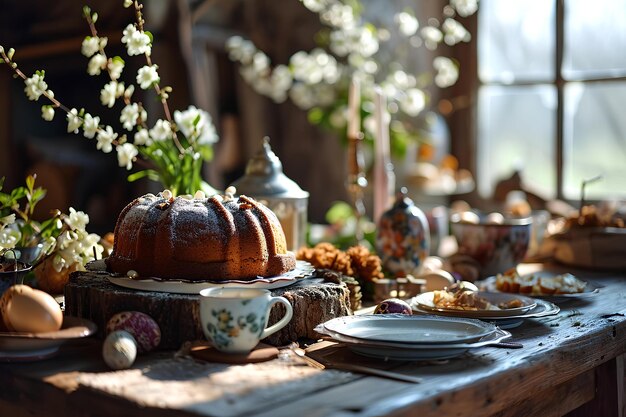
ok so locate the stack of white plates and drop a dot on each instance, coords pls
(402, 337)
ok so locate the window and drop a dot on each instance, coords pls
(552, 96)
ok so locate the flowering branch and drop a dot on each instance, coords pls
(350, 48)
(176, 145)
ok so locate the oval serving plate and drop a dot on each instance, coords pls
(400, 328)
(397, 351)
(425, 301)
(542, 309)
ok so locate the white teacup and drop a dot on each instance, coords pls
(234, 319)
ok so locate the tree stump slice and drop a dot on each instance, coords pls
(92, 296)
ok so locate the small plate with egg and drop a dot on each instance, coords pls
(24, 346)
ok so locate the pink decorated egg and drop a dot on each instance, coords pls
(144, 329)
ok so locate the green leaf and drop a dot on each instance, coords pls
(316, 115)
(150, 173)
(17, 193)
(38, 195)
(147, 32)
(339, 212)
(30, 182)
(206, 153)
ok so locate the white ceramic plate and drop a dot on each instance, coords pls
(425, 301)
(489, 284)
(396, 351)
(399, 328)
(303, 270)
(542, 309)
(18, 347)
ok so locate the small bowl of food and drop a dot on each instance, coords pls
(496, 242)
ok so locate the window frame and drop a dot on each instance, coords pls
(463, 121)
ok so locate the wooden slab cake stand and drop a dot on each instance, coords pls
(92, 296)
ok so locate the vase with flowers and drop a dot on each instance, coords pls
(53, 247)
(171, 150)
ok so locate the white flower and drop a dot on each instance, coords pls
(315, 5)
(73, 121)
(137, 42)
(413, 101)
(280, 82)
(130, 115)
(305, 68)
(407, 23)
(161, 131)
(90, 46)
(338, 15)
(196, 125)
(128, 3)
(447, 72)
(109, 93)
(125, 154)
(7, 220)
(240, 49)
(432, 37)
(35, 87)
(105, 139)
(465, 7)
(96, 64)
(115, 67)
(142, 137)
(90, 126)
(9, 238)
(147, 75)
(358, 39)
(128, 32)
(77, 219)
(455, 32)
(47, 113)
(302, 95)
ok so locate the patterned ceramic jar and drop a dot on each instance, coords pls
(234, 319)
(403, 238)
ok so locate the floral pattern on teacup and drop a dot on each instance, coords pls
(228, 327)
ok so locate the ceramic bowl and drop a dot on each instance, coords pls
(8, 278)
(495, 246)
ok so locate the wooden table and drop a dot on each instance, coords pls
(570, 363)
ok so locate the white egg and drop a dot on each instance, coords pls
(437, 280)
(25, 309)
(469, 217)
(495, 218)
(119, 350)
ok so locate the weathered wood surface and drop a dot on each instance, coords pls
(90, 295)
(566, 360)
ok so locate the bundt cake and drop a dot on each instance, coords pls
(195, 239)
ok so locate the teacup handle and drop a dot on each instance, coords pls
(282, 322)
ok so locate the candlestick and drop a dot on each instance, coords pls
(384, 178)
(356, 181)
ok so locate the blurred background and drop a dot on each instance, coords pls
(537, 105)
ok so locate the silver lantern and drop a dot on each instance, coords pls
(265, 181)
